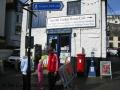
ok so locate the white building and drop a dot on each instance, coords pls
(80, 27)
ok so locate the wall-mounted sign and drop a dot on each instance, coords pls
(71, 21)
(48, 6)
(105, 68)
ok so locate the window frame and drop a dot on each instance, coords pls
(72, 7)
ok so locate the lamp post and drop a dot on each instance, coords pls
(23, 3)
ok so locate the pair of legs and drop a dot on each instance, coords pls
(25, 82)
(40, 81)
(40, 85)
(51, 80)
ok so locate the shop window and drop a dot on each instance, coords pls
(39, 21)
(65, 43)
(74, 7)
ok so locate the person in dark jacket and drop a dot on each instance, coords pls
(52, 68)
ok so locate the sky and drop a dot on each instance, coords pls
(114, 7)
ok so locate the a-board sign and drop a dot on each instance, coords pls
(105, 68)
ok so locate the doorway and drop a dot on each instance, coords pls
(61, 43)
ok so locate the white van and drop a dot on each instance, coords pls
(15, 56)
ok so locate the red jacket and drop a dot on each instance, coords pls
(52, 62)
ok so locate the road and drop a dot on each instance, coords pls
(12, 80)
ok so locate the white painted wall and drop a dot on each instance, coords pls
(92, 39)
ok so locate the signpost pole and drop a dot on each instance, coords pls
(29, 48)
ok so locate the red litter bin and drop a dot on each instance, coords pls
(80, 63)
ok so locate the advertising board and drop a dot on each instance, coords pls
(105, 68)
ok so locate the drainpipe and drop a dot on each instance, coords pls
(101, 26)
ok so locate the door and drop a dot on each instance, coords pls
(61, 43)
(53, 41)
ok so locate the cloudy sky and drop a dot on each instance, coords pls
(114, 7)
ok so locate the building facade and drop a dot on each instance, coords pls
(80, 27)
(10, 24)
(113, 22)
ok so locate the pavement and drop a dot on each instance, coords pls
(12, 80)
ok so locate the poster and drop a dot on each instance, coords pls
(105, 68)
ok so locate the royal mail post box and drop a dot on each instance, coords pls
(80, 63)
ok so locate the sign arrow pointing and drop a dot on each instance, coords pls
(48, 6)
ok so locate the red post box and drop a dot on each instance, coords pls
(80, 63)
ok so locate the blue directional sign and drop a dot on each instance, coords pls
(48, 6)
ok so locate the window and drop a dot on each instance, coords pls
(116, 21)
(73, 7)
(118, 38)
(19, 7)
(18, 29)
(39, 21)
(110, 38)
(19, 18)
(16, 52)
(119, 45)
(110, 45)
(64, 43)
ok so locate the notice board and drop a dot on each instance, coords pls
(105, 68)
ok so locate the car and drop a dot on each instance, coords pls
(15, 56)
(112, 52)
(118, 52)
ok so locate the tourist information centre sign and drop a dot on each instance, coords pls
(48, 6)
(72, 21)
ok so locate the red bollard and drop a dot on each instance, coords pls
(80, 63)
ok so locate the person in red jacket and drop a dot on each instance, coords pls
(52, 68)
